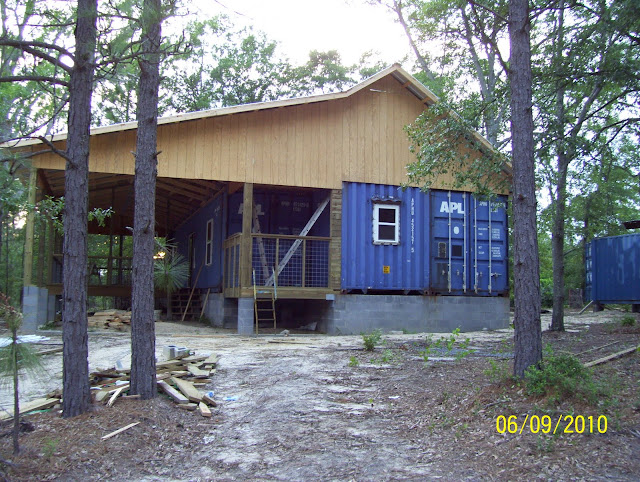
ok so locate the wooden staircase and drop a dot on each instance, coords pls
(179, 301)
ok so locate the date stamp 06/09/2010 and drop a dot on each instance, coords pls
(546, 424)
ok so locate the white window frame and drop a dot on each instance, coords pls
(377, 223)
(208, 246)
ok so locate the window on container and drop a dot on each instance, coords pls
(386, 223)
(209, 243)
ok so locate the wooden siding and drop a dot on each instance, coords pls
(357, 138)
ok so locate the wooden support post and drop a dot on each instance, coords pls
(110, 260)
(29, 233)
(50, 250)
(42, 240)
(246, 246)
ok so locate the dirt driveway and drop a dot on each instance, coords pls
(321, 408)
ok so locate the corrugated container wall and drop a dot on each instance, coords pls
(447, 242)
(191, 237)
(613, 269)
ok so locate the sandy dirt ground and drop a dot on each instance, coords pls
(314, 407)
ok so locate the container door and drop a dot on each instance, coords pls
(488, 256)
(588, 272)
(449, 239)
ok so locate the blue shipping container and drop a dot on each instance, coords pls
(447, 242)
(395, 265)
(469, 244)
(192, 234)
(613, 269)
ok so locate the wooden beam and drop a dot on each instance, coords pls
(619, 354)
(246, 242)
(29, 232)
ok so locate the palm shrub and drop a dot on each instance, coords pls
(170, 273)
(14, 357)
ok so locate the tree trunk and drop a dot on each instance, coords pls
(557, 237)
(75, 376)
(143, 361)
(526, 270)
(16, 395)
(557, 245)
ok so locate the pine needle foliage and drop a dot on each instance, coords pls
(15, 357)
(447, 147)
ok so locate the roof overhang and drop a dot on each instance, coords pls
(407, 80)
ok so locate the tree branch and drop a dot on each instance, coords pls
(33, 49)
(34, 78)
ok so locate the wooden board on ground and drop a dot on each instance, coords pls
(606, 359)
(39, 404)
(116, 394)
(175, 395)
(188, 406)
(208, 400)
(211, 360)
(187, 388)
(204, 410)
(105, 392)
(198, 372)
(120, 430)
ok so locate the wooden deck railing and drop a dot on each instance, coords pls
(101, 270)
(231, 268)
(297, 262)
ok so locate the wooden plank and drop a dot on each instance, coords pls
(116, 394)
(204, 410)
(208, 400)
(105, 392)
(120, 430)
(188, 406)
(197, 372)
(175, 395)
(50, 352)
(39, 404)
(211, 360)
(619, 354)
(187, 388)
(585, 308)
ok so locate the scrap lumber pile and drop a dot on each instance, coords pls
(181, 379)
(111, 319)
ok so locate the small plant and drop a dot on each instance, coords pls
(545, 442)
(628, 320)
(497, 371)
(170, 272)
(49, 325)
(447, 344)
(353, 362)
(49, 448)
(370, 340)
(387, 356)
(561, 377)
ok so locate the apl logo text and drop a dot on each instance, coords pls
(452, 207)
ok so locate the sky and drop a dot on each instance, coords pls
(299, 26)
